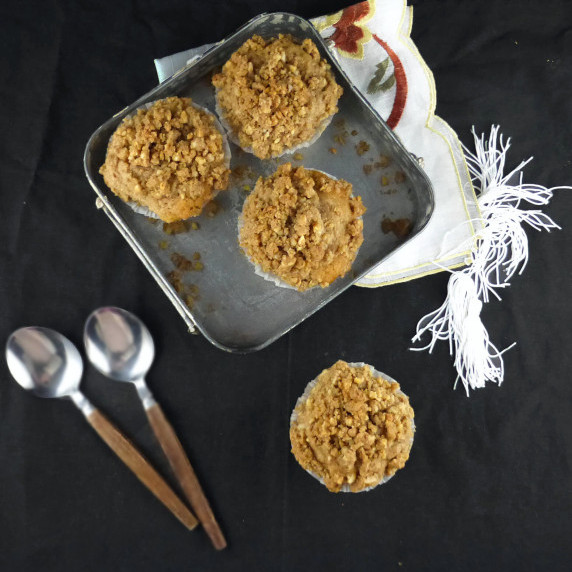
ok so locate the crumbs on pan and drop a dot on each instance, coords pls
(341, 134)
(179, 227)
(382, 163)
(212, 208)
(189, 293)
(362, 147)
(401, 227)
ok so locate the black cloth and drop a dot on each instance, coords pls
(488, 484)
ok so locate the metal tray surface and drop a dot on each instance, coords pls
(236, 309)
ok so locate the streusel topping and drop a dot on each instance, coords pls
(302, 226)
(169, 158)
(276, 94)
(354, 428)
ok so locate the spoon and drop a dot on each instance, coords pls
(49, 365)
(120, 346)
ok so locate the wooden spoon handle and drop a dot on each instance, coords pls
(185, 474)
(141, 467)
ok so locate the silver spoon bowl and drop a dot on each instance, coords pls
(118, 344)
(120, 347)
(47, 364)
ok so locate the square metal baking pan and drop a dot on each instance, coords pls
(230, 305)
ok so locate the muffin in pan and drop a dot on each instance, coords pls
(170, 157)
(352, 428)
(276, 95)
(302, 226)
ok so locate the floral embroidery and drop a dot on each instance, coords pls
(401, 87)
(377, 82)
(351, 32)
(349, 36)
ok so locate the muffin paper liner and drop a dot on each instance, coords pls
(227, 155)
(233, 137)
(346, 487)
(272, 277)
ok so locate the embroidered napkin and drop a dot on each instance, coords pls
(372, 43)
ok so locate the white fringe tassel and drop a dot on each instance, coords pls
(501, 250)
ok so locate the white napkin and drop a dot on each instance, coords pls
(372, 43)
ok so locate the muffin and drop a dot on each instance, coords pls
(302, 226)
(169, 157)
(276, 95)
(352, 428)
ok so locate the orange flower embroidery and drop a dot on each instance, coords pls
(351, 32)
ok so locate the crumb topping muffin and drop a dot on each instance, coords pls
(353, 428)
(169, 158)
(302, 226)
(276, 94)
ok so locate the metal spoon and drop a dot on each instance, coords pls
(120, 346)
(49, 365)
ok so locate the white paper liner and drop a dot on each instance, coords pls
(272, 277)
(346, 487)
(232, 136)
(226, 147)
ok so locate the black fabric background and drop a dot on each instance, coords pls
(488, 484)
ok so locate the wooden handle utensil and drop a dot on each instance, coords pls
(185, 474)
(123, 448)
